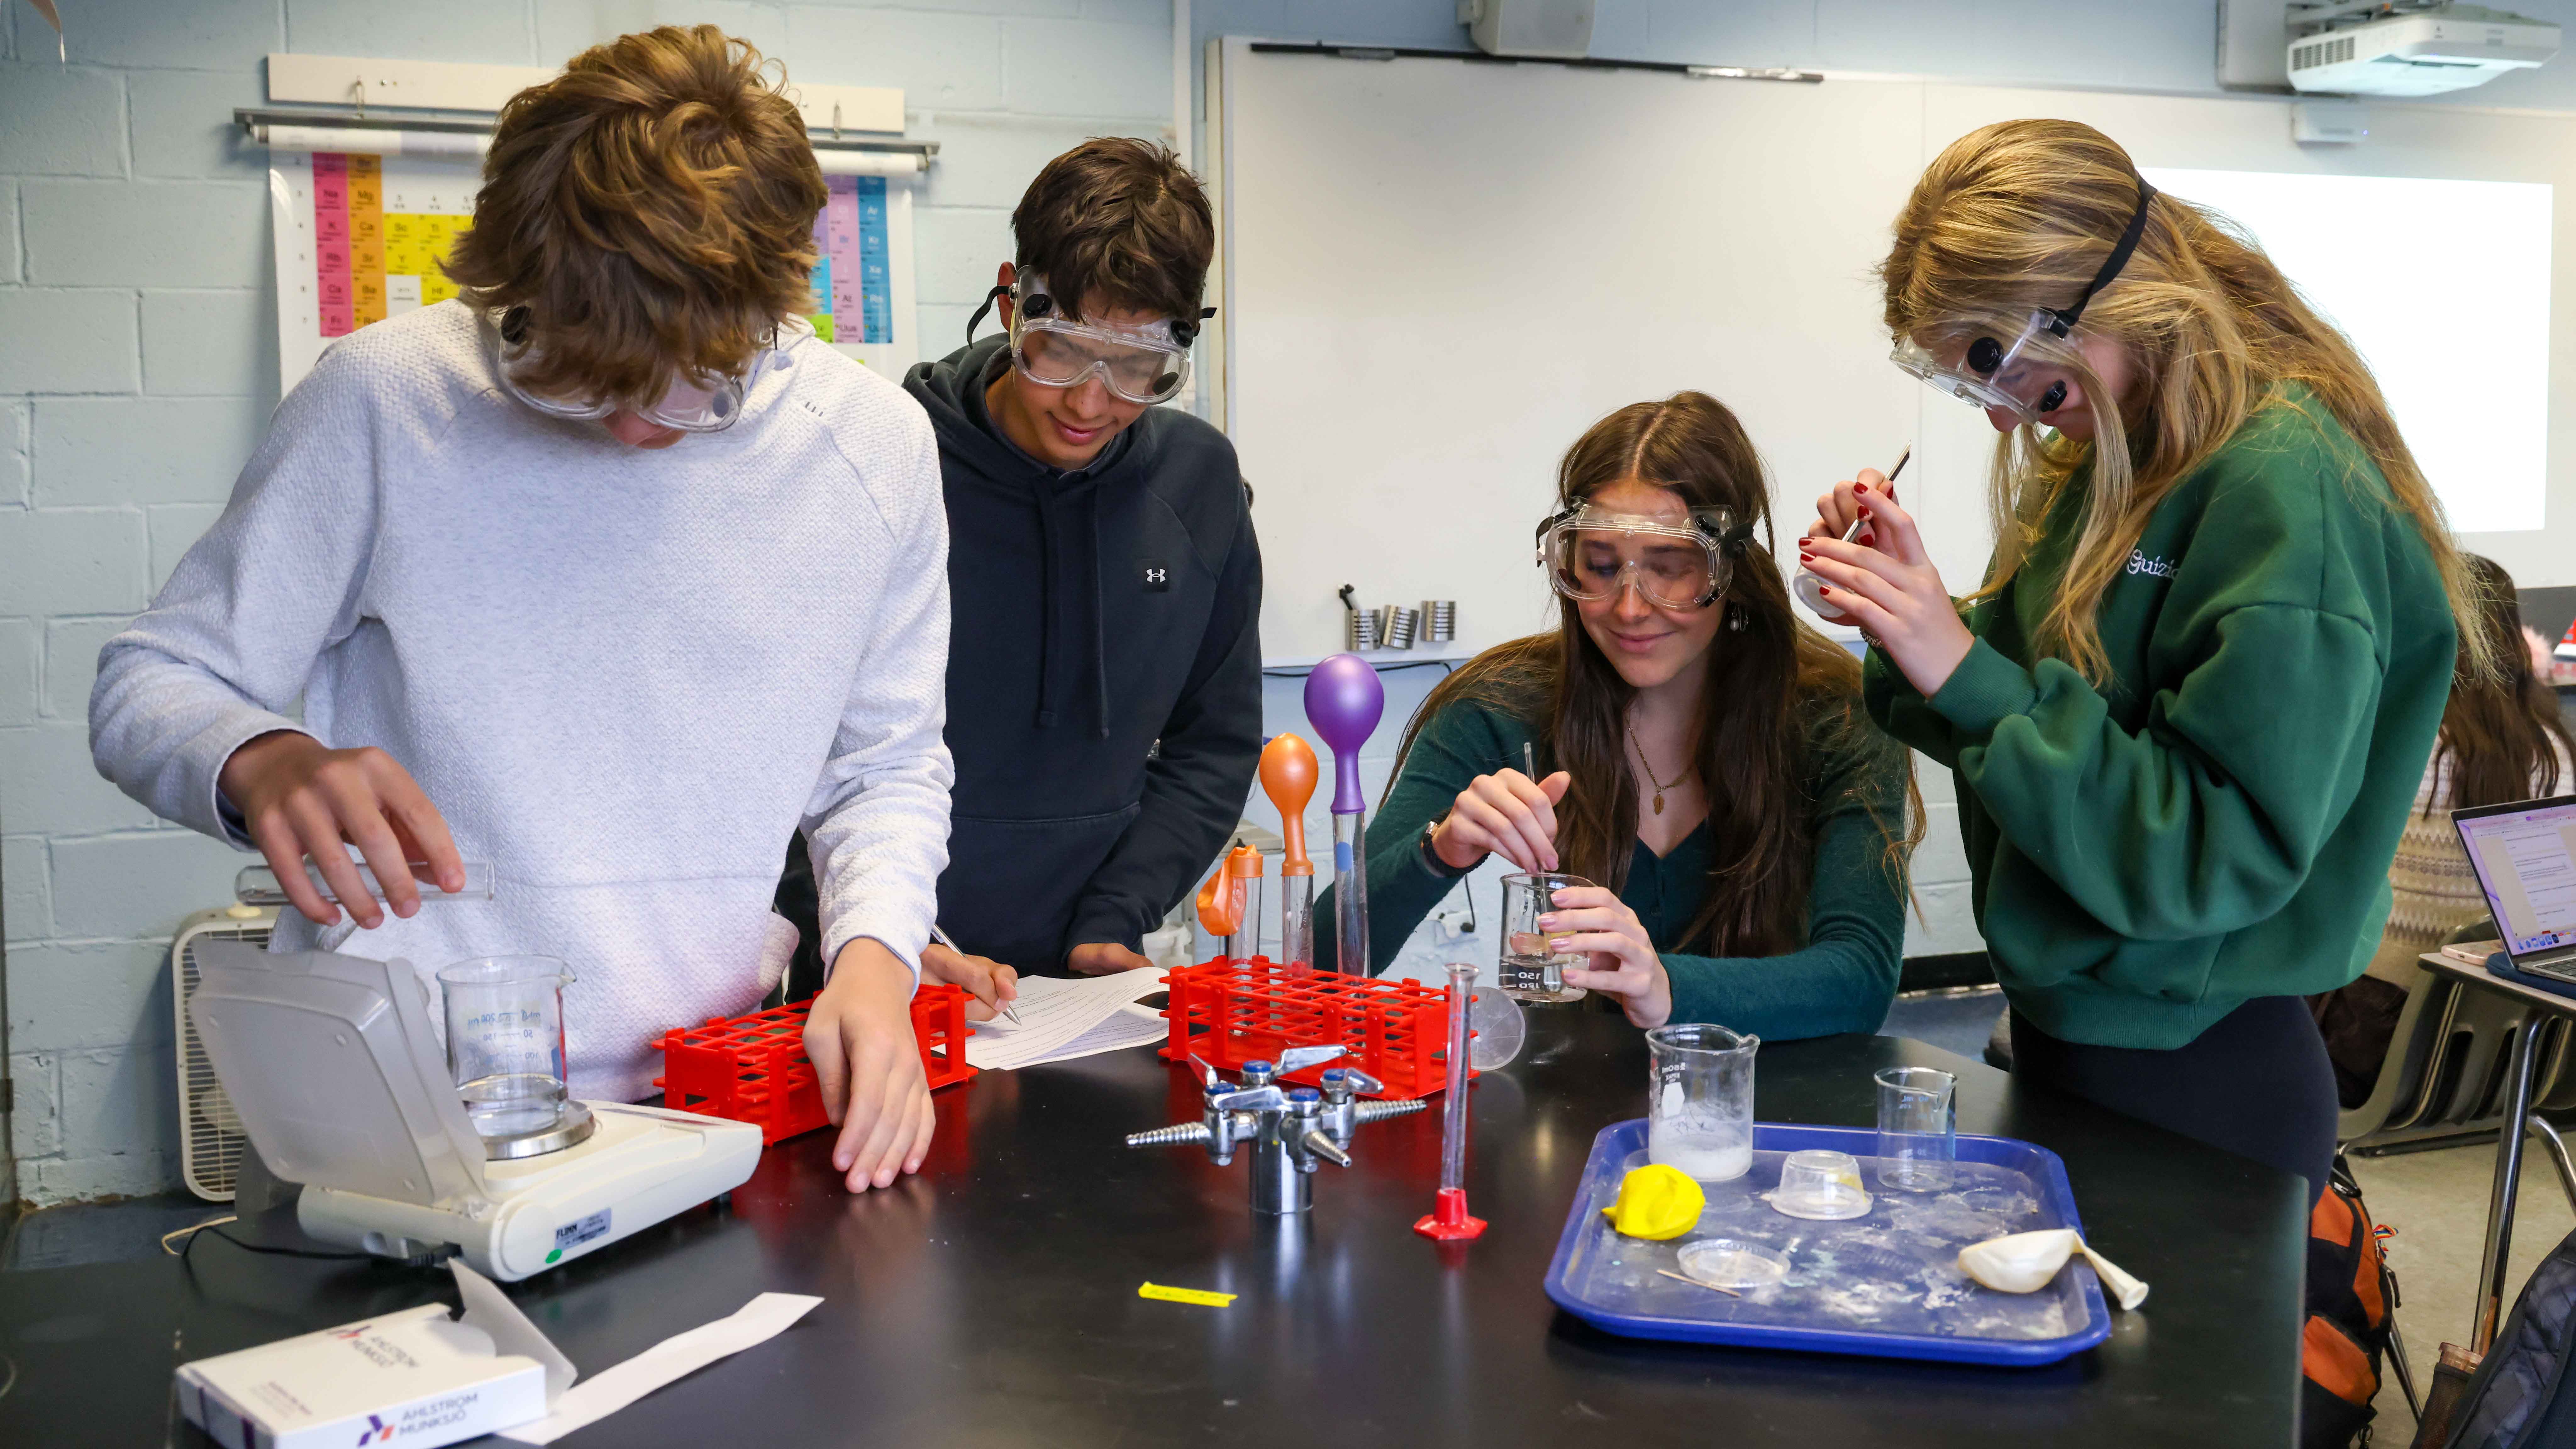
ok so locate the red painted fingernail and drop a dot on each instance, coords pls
(1860, 488)
(1864, 511)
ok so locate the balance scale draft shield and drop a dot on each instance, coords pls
(342, 1086)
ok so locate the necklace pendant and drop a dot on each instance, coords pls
(1659, 802)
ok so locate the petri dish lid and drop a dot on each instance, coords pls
(1499, 1029)
(1727, 1263)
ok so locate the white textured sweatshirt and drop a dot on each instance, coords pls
(625, 677)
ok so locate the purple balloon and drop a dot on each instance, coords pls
(1344, 698)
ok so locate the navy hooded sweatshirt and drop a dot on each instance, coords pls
(1104, 674)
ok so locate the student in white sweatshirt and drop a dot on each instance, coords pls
(564, 573)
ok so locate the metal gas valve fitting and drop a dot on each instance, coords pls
(1290, 1133)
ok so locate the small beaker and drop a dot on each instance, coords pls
(1529, 971)
(1917, 1128)
(1699, 1104)
(505, 1041)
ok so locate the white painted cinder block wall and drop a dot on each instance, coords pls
(138, 365)
(138, 361)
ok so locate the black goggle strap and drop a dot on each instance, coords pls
(2062, 321)
(1185, 330)
(990, 298)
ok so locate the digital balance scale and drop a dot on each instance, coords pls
(342, 1086)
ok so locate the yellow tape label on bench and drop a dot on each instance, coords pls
(1199, 1296)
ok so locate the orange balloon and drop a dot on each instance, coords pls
(1288, 775)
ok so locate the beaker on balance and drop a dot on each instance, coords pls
(505, 1052)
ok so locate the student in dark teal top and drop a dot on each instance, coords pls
(1702, 754)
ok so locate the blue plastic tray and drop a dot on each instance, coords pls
(1886, 1283)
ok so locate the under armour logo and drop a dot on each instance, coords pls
(1158, 579)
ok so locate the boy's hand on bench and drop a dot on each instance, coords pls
(992, 984)
(1106, 958)
(859, 1037)
(299, 798)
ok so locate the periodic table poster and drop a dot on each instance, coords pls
(360, 238)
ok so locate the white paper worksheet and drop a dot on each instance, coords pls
(1066, 1017)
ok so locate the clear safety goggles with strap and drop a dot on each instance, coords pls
(693, 403)
(1148, 364)
(1591, 554)
(2028, 376)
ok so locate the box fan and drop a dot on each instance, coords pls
(210, 1132)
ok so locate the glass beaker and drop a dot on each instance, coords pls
(1528, 970)
(1699, 1107)
(505, 1041)
(1917, 1128)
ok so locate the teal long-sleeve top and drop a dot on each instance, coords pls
(1841, 979)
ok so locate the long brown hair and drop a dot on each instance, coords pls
(2020, 215)
(2501, 730)
(1771, 682)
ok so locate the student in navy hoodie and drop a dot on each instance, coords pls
(1104, 669)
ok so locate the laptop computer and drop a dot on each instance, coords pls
(2525, 858)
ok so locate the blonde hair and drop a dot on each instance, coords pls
(2020, 215)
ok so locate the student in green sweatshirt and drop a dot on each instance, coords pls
(1701, 753)
(2189, 708)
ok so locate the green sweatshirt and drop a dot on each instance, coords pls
(1841, 980)
(2215, 823)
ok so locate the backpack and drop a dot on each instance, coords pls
(2520, 1397)
(2347, 1328)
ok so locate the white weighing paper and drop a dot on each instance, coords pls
(1066, 1017)
(604, 1393)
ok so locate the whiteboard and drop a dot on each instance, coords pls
(1436, 274)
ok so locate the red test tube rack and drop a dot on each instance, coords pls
(1226, 1013)
(753, 1068)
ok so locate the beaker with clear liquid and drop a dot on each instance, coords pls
(505, 1041)
(1529, 971)
(1699, 1103)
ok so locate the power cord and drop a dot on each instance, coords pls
(213, 1227)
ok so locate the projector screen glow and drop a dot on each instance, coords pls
(2444, 288)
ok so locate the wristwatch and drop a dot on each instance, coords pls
(1431, 860)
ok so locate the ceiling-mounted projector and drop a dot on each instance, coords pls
(1540, 29)
(2382, 49)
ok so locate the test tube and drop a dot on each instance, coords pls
(1245, 944)
(1453, 1110)
(1288, 772)
(1448, 1220)
(1350, 893)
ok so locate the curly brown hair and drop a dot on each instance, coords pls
(653, 209)
(1118, 223)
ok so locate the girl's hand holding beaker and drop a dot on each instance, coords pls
(1624, 961)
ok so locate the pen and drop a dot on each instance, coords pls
(1010, 1013)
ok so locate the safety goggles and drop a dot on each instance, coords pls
(1591, 554)
(2029, 376)
(1143, 365)
(693, 403)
